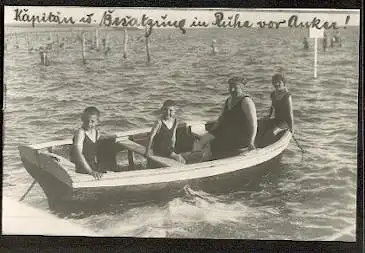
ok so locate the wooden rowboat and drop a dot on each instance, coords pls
(49, 165)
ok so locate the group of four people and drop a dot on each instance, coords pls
(235, 128)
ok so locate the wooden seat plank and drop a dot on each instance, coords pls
(139, 149)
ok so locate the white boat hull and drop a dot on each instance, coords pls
(60, 182)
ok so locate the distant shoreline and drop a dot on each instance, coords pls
(66, 25)
(12, 25)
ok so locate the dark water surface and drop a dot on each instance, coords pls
(313, 198)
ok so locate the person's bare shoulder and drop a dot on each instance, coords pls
(247, 101)
(156, 125)
(79, 135)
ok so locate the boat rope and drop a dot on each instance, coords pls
(296, 141)
(26, 193)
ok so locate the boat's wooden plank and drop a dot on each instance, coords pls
(122, 135)
(172, 175)
(69, 141)
(58, 166)
(51, 144)
(119, 136)
(132, 146)
(29, 154)
(139, 149)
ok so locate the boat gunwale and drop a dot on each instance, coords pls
(238, 161)
(85, 181)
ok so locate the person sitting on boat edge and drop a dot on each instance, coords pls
(281, 108)
(162, 138)
(236, 127)
(85, 141)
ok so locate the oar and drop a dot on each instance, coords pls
(295, 139)
(26, 193)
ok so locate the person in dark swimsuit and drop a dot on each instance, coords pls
(85, 142)
(236, 127)
(324, 42)
(281, 107)
(162, 139)
(305, 43)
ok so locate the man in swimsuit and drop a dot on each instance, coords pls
(236, 127)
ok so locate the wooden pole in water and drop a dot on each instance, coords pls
(83, 47)
(97, 38)
(46, 57)
(147, 45)
(92, 40)
(125, 43)
(105, 43)
(315, 57)
(27, 40)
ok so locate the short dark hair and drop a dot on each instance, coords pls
(237, 79)
(168, 103)
(91, 110)
(278, 78)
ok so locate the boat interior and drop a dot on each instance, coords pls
(125, 152)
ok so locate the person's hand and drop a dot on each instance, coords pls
(96, 175)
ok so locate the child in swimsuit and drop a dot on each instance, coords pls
(85, 141)
(162, 139)
(281, 106)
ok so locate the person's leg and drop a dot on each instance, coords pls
(198, 156)
(203, 141)
(178, 157)
(265, 132)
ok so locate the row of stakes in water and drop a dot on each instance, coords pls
(89, 41)
(335, 41)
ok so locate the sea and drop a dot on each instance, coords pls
(310, 196)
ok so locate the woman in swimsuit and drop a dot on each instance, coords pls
(85, 141)
(162, 139)
(236, 127)
(281, 107)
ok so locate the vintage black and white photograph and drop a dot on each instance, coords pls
(181, 123)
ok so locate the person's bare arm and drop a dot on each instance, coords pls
(271, 107)
(249, 108)
(174, 135)
(80, 159)
(220, 118)
(291, 115)
(153, 133)
(271, 111)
